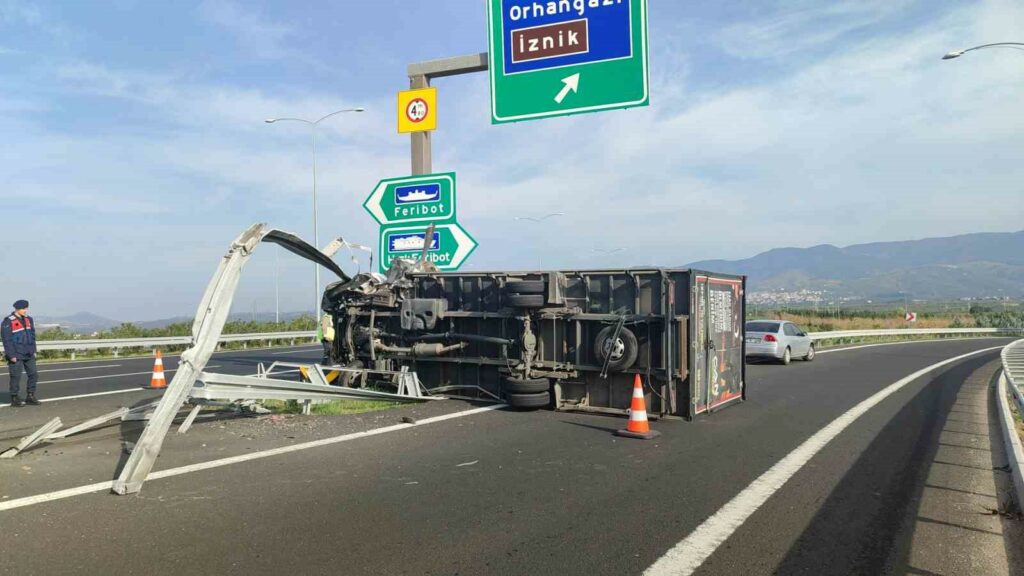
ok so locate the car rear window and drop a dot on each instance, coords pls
(770, 327)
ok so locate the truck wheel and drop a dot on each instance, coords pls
(622, 352)
(525, 287)
(527, 386)
(525, 300)
(528, 401)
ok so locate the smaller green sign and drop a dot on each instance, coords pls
(428, 198)
(448, 247)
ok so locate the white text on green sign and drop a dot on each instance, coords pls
(566, 57)
(429, 198)
(448, 247)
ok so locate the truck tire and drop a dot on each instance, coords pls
(525, 287)
(528, 401)
(527, 386)
(525, 300)
(623, 351)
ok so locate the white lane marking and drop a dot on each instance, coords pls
(688, 555)
(113, 376)
(100, 486)
(66, 369)
(166, 356)
(90, 395)
(295, 351)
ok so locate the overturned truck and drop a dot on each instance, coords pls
(567, 339)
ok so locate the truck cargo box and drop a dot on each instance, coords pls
(567, 339)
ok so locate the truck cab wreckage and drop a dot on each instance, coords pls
(567, 340)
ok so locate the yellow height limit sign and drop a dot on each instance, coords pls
(417, 110)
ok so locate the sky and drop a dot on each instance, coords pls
(134, 148)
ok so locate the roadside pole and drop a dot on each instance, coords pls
(420, 75)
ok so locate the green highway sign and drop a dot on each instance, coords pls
(449, 245)
(427, 198)
(560, 57)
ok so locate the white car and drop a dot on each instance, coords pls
(778, 340)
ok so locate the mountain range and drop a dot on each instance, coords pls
(986, 265)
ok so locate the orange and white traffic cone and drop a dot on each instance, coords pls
(158, 380)
(638, 426)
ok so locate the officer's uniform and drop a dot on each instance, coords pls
(19, 338)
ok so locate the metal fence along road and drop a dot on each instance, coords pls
(916, 332)
(122, 343)
(1013, 367)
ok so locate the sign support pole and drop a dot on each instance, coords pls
(420, 75)
(421, 150)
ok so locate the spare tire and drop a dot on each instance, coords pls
(623, 351)
(525, 287)
(526, 386)
(528, 401)
(525, 300)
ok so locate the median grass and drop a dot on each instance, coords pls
(333, 408)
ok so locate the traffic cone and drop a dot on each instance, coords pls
(158, 380)
(638, 426)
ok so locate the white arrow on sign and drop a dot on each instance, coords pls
(463, 241)
(374, 207)
(570, 83)
(464, 244)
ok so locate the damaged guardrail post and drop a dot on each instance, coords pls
(33, 439)
(210, 319)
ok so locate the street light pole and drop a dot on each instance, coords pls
(316, 221)
(959, 53)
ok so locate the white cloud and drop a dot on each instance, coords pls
(878, 140)
(797, 26)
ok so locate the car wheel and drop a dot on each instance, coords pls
(525, 287)
(786, 356)
(528, 401)
(623, 351)
(527, 386)
(810, 354)
(525, 300)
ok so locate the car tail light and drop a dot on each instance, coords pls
(769, 338)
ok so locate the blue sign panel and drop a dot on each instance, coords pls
(412, 242)
(418, 193)
(539, 35)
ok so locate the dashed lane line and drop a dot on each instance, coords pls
(67, 369)
(108, 392)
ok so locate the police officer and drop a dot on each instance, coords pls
(19, 336)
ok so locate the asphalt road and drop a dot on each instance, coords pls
(502, 492)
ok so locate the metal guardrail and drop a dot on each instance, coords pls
(913, 332)
(121, 343)
(1013, 367)
(1013, 378)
